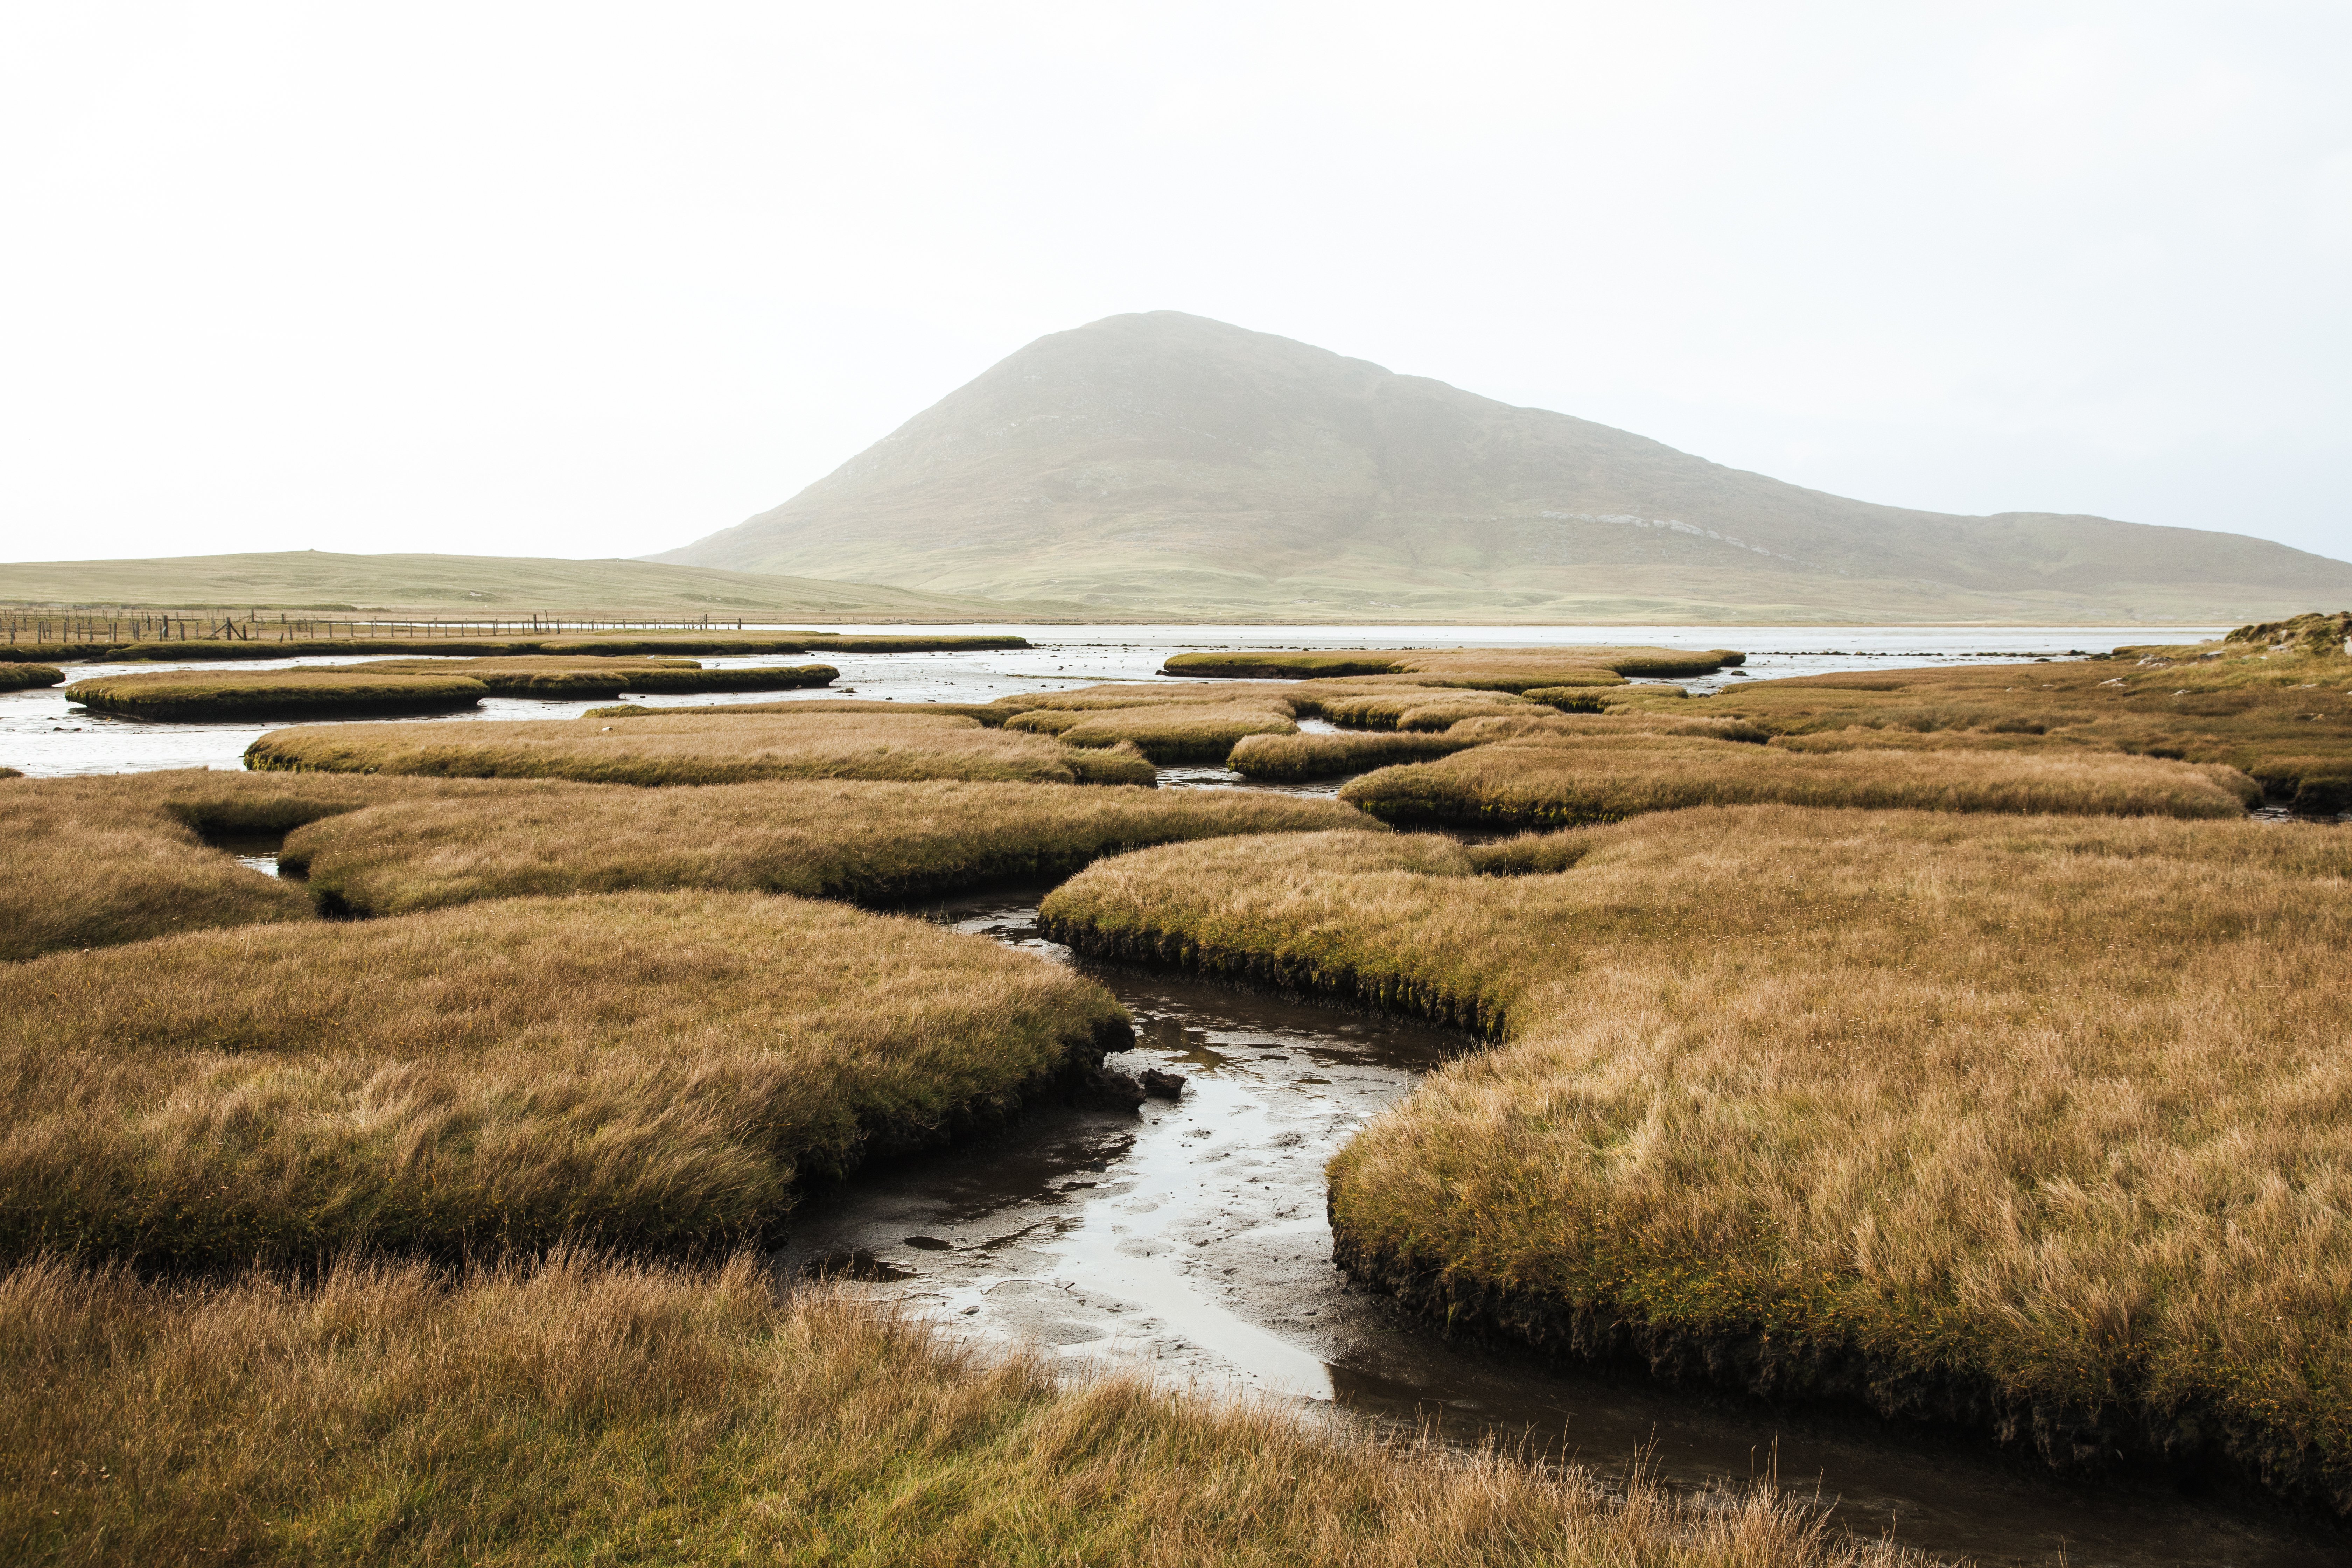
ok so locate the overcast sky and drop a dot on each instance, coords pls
(589, 280)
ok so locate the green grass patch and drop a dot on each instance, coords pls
(197, 696)
(19, 677)
(639, 1068)
(701, 746)
(2034, 1125)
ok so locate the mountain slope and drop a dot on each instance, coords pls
(290, 579)
(1163, 463)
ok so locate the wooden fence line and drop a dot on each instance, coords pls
(129, 626)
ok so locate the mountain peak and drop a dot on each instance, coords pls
(1162, 463)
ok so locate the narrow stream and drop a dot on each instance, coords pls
(1190, 1242)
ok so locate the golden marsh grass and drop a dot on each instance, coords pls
(1610, 777)
(596, 1410)
(94, 861)
(1284, 759)
(700, 747)
(2282, 717)
(636, 1068)
(867, 841)
(2041, 1124)
(1181, 732)
(558, 678)
(195, 695)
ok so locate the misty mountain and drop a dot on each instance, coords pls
(1167, 463)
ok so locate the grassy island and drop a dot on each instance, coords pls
(561, 677)
(701, 746)
(1606, 778)
(197, 696)
(868, 841)
(19, 677)
(2038, 1125)
(643, 1068)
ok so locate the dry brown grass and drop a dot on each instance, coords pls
(2283, 718)
(589, 1410)
(1606, 778)
(2040, 1125)
(96, 861)
(1182, 732)
(1288, 758)
(701, 747)
(1412, 708)
(641, 1068)
(866, 841)
(188, 696)
(559, 677)
(1497, 668)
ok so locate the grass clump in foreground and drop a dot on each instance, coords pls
(100, 860)
(700, 747)
(585, 1408)
(561, 677)
(2041, 1125)
(868, 841)
(1607, 778)
(194, 696)
(640, 1069)
(20, 676)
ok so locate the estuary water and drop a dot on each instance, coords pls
(42, 733)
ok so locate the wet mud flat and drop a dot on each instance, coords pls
(1187, 1241)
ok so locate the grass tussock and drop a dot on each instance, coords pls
(1610, 778)
(86, 872)
(1412, 708)
(2282, 716)
(1287, 759)
(599, 1410)
(557, 679)
(701, 747)
(639, 1068)
(96, 861)
(2040, 1125)
(20, 676)
(1176, 732)
(871, 842)
(195, 696)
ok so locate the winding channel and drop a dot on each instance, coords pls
(1189, 1242)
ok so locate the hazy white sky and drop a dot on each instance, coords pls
(593, 280)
